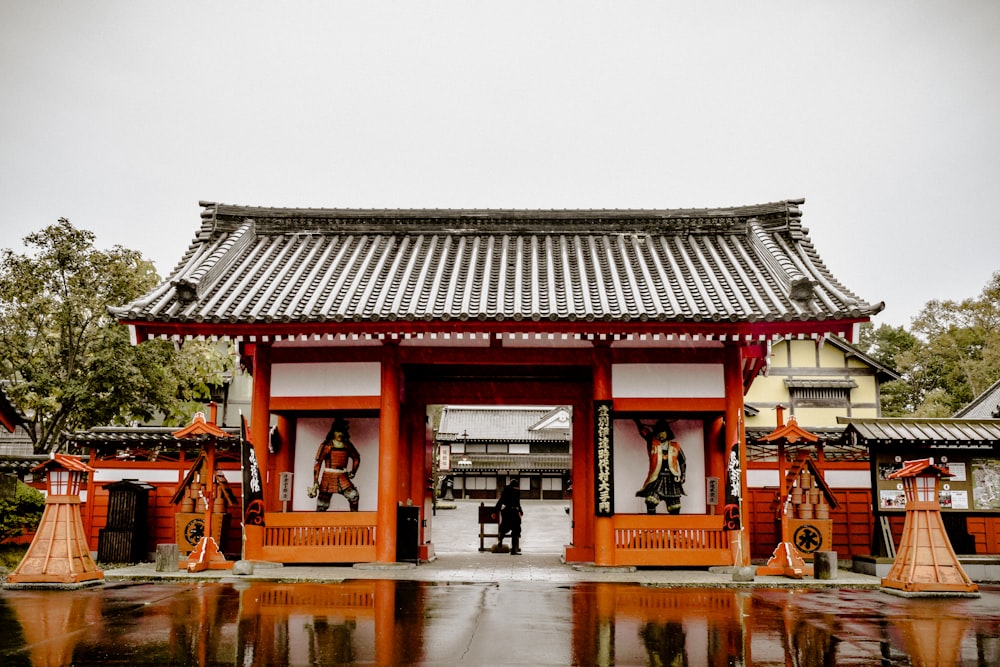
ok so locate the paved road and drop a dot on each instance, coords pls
(545, 527)
(455, 534)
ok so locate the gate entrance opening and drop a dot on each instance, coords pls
(485, 427)
(478, 450)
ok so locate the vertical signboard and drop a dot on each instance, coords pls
(604, 492)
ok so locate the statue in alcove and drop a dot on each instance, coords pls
(667, 468)
(332, 458)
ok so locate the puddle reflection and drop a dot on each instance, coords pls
(400, 622)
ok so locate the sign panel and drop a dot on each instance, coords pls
(604, 492)
(974, 485)
(712, 491)
(444, 458)
(284, 486)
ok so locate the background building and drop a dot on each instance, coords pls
(488, 446)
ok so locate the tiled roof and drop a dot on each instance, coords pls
(141, 436)
(883, 373)
(17, 443)
(521, 462)
(835, 448)
(285, 268)
(820, 383)
(941, 432)
(19, 465)
(495, 424)
(985, 406)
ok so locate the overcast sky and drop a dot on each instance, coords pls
(884, 116)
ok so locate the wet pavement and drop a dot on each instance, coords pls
(405, 622)
(455, 533)
(472, 608)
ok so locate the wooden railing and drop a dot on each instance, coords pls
(320, 537)
(671, 540)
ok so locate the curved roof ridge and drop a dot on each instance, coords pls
(214, 210)
(320, 271)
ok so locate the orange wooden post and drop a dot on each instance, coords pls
(604, 526)
(388, 458)
(736, 438)
(260, 422)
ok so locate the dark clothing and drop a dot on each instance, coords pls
(510, 514)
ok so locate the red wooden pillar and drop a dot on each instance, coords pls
(260, 421)
(604, 526)
(736, 438)
(388, 456)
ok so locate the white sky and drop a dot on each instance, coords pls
(884, 115)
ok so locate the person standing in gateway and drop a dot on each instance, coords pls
(509, 505)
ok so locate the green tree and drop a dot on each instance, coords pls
(950, 355)
(22, 511)
(67, 364)
(890, 346)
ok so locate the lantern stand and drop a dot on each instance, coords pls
(787, 560)
(59, 553)
(925, 563)
(206, 554)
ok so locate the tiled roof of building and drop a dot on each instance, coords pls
(883, 373)
(905, 430)
(305, 269)
(519, 462)
(19, 465)
(835, 448)
(113, 438)
(496, 424)
(985, 406)
(17, 443)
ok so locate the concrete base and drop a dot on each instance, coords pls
(590, 567)
(52, 586)
(981, 569)
(928, 594)
(384, 566)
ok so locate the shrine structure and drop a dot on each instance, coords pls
(650, 325)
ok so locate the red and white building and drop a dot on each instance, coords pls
(620, 315)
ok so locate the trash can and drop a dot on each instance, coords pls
(407, 534)
(124, 537)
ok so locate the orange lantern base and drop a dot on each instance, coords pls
(59, 553)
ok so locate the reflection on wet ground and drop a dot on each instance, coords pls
(388, 622)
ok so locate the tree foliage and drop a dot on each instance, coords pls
(22, 511)
(66, 363)
(949, 357)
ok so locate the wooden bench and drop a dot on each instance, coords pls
(488, 516)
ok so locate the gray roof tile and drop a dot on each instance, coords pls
(984, 406)
(495, 424)
(905, 430)
(264, 266)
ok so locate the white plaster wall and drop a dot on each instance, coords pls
(667, 381)
(108, 475)
(308, 436)
(326, 379)
(631, 465)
